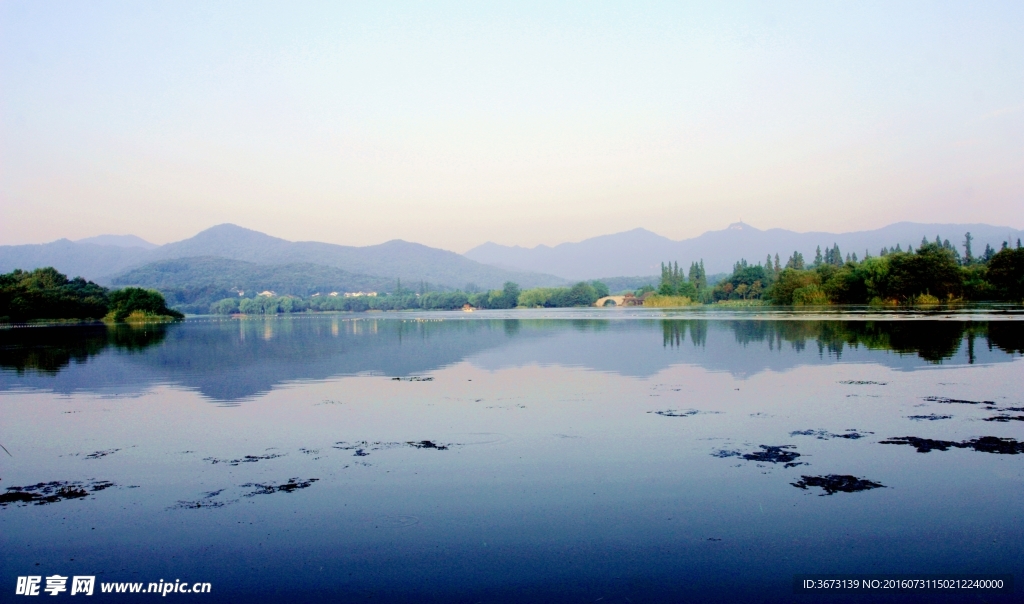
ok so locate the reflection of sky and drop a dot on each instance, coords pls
(234, 360)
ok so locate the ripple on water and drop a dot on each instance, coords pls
(395, 521)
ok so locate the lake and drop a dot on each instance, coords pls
(526, 456)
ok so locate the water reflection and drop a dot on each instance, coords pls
(47, 350)
(933, 341)
(232, 360)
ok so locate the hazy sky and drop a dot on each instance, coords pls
(455, 124)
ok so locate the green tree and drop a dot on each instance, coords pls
(796, 261)
(932, 270)
(1006, 274)
(790, 280)
(968, 255)
(124, 302)
(226, 306)
(45, 293)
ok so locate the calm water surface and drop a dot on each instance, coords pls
(518, 456)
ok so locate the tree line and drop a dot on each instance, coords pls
(45, 294)
(935, 272)
(509, 296)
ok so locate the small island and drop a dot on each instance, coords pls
(45, 295)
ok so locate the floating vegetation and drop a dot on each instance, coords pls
(932, 417)
(850, 434)
(207, 502)
(361, 447)
(101, 454)
(767, 454)
(863, 383)
(293, 484)
(957, 401)
(414, 378)
(51, 492)
(780, 454)
(985, 444)
(427, 444)
(837, 483)
(683, 412)
(1005, 418)
(246, 459)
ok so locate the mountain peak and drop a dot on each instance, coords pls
(119, 241)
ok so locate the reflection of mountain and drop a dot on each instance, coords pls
(233, 359)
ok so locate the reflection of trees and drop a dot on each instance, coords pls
(137, 336)
(47, 350)
(674, 332)
(932, 341)
(1007, 336)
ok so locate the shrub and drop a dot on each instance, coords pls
(140, 304)
(659, 301)
(810, 295)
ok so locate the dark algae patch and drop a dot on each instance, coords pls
(985, 444)
(837, 483)
(51, 492)
(208, 501)
(414, 378)
(780, 454)
(681, 413)
(246, 459)
(292, 485)
(863, 383)
(1005, 418)
(945, 400)
(825, 435)
(361, 447)
(101, 454)
(427, 444)
(932, 417)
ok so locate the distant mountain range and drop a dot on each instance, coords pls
(641, 252)
(107, 260)
(228, 257)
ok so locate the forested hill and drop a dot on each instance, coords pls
(393, 260)
(396, 259)
(193, 284)
(640, 252)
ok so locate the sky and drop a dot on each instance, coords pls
(452, 124)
